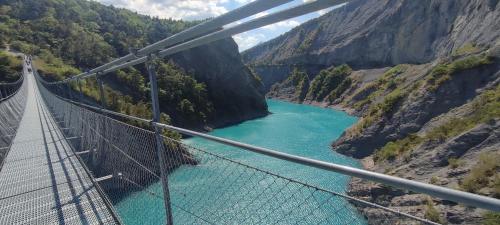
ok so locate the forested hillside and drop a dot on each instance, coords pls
(70, 36)
(10, 67)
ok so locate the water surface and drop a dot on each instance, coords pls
(230, 189)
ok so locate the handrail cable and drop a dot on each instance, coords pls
(17, 82)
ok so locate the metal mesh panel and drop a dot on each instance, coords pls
(12, 104)
(110, 148)
(219, 190)
(42, 181)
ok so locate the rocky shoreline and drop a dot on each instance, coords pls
(348, 110)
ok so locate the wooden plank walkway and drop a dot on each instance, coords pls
(42, 181)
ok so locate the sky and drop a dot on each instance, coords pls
(201, 9)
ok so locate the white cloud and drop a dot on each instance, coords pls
(261, 14)
(175, 9)
(243, 1)
(202, 9)
(283, 24)
(247, 40)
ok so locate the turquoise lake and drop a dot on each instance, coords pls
(218, 191)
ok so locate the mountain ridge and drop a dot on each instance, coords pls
(388, 32)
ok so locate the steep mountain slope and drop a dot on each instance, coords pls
(71, 36)
(377, 33)
(423, 76)
(435, 127)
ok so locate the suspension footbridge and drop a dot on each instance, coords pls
(42, 181)
(69, 162)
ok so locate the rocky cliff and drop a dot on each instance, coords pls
(374, 33)
(235, 92)
(435, 125)
(424, 78)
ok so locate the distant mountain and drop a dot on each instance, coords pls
(378, 33)
(424, 78)
(70, 36)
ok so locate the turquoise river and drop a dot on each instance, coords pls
(222, 192)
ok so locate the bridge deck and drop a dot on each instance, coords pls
(42, 182)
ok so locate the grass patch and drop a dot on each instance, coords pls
(496, 186)
(393, 149)
(433, 214)
(396, 70)
(371, 97)
(483, 174)
(434, 180)
(491, 218)
(443, 72)
(486, 107)
(376, 111)
(390, 101)
(455, 163)
(388, 81)
(467, 48)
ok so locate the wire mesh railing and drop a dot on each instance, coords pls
(7, 90)
(12, 103)
(205, 186)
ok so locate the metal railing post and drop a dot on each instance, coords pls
(159, 141)
(80, 99)
(59, 91)
(6, 91)
(103, 126)
(80, 96)
(68, 87)
(101, 90)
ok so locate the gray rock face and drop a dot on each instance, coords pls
(272, 74)
(459, 145)
(376, 33)
(235, 93)
(429, 162)
(411, 115)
